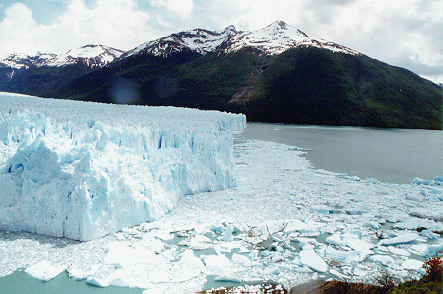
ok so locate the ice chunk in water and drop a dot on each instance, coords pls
(241, 259)
(403, 239)
(97, 282)
(345, 256)
(383, 259)
(412, 264)
(77, 274)
(309, 258)
(429, 234)
(44, 270)
(433, 250)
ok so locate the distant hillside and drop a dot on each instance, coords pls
(277, 74)
(304, 85)
(42, 74)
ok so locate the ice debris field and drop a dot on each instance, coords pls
(171, 205)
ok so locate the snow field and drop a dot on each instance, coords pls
(83, 170)
(284, 221)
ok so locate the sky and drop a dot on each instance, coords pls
(405, 33)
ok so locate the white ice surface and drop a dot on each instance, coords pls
(44, 270)
(403, 239)
(271, 204)
(82, 170)
(309, 258)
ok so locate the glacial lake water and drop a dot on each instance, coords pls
(388, 155)
(396, 156)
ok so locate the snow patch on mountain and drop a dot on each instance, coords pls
(17, 61)
(90, 55)
(197, 40)
(273, 40)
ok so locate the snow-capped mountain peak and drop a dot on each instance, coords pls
(19, 60)
(273, 39)
(230, 31)
(198, 40)
(91, 55)
(279, 37)
(280, 28)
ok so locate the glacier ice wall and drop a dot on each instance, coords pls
(82, 170)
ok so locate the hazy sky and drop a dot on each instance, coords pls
(406, 33)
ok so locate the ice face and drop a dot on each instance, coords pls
(82, 170)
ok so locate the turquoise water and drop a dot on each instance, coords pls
(20, 282)
(388, 155)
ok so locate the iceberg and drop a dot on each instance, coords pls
(82, 170)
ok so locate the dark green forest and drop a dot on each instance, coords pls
(303, 85)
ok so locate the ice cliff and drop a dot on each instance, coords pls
(82, 170)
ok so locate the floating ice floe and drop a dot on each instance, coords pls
(98, 282)
(78, 274)
(309, 258)
(383, 259)
(433, 250)
(403, 239)
(44, 270)
(412, 264)
(398, 251)
(345, 256)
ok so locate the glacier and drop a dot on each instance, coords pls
(283, 221)
(82, 170)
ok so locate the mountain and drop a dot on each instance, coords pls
(89, 55)
(43, 73)
(18, 61)
(273, 40)
(277, 74)
(198, 40)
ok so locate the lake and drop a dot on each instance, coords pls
(388, 155)
(396, 156)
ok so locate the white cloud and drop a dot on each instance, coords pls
(118, 23)
(407, 33)
(17, 29)
(183, 8)
(258, 14)
(390, 29)
(163, 23)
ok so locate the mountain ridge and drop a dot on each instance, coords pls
(91, 55)
(277, 74)
(273, 39)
